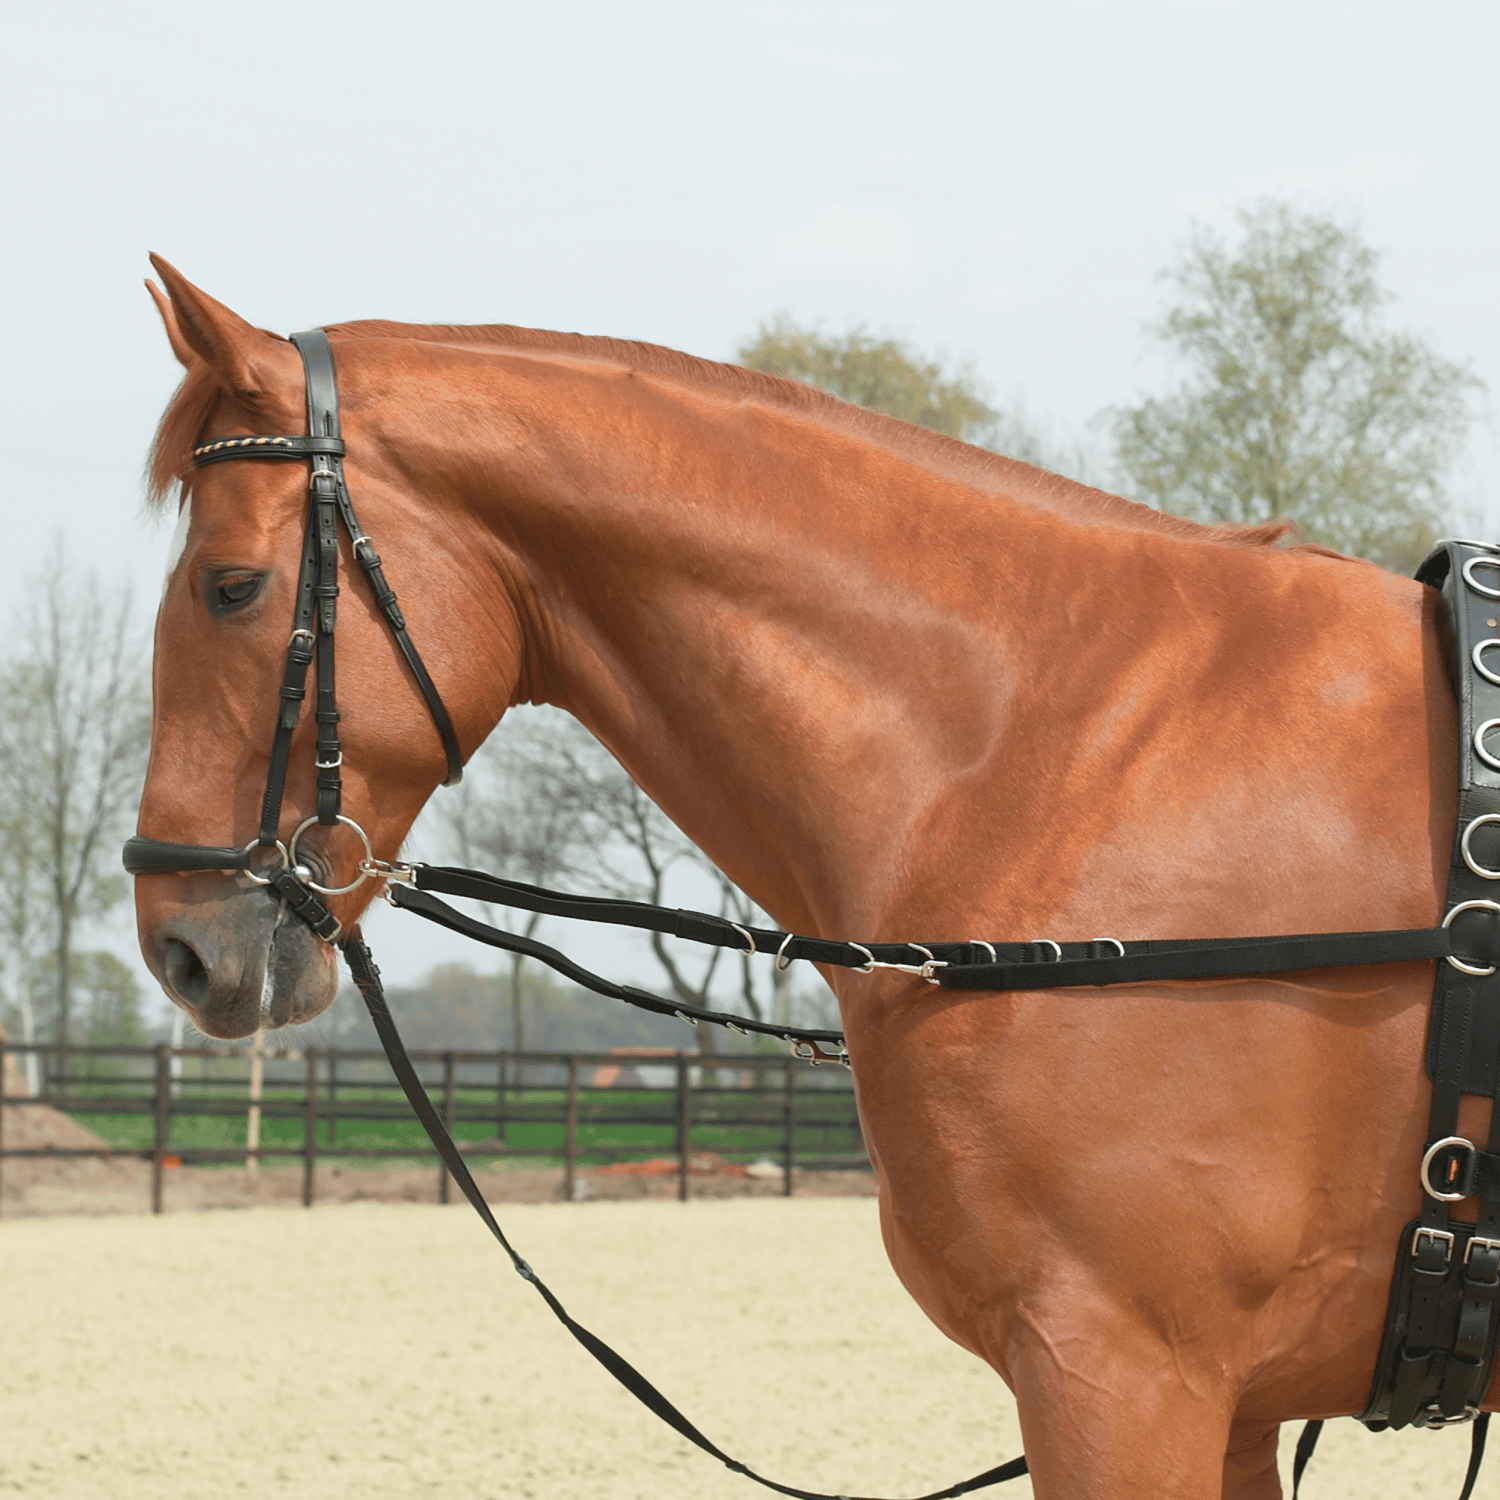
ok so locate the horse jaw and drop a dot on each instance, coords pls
(233, 960)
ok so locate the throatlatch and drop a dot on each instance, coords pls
(1443, 1324)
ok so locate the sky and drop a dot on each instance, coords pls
(999, 182)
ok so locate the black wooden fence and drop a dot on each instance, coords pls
(577, 1108)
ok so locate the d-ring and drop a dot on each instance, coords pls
(1468, 854)
(1478, 657)
(988, 947)
(1055, 947)
(333, 890)
(1493, 762)
(1481, 588)
(868, 966)
(1458, 963)
(744, 932)
(1118, 944)
(250, 874)
(1432, 1151)
(782, 962)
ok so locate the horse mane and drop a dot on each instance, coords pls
(192, 405)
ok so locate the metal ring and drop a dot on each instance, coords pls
(1118, 944)
(1458, 963)
(783, 964)
(868, 967)
(1055, 947)
(1481, 588)
(1432, 1151)
(334, 890)
(1478, 658)
(1463, 847)
(980, 943)
(250, 874)
(1491, 761)
(925, 952)
(744, 932)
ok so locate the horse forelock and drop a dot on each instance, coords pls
(170, 461)
(188, 413)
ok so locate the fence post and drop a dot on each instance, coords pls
(333, 1097)
(500, 1100)
(788, 1130)
(252, 1114)
(4, 1054)
(684, 1126)
(447, 1120)
(570, 1132)
(310, 1131)
(163, 1103)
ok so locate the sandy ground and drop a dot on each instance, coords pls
(387, 1352)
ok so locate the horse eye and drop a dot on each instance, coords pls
(237, 589)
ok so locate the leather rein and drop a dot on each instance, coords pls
(1442, 1326)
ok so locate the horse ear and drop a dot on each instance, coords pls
(246, 360)
(180, 346)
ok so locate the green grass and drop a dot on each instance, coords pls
(735, 1123)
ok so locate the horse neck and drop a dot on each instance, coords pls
(797, 638)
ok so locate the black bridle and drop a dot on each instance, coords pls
(1442, 1327)
(314, 616)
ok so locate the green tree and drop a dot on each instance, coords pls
(1295, 401)
(890, 376)
(883, 374)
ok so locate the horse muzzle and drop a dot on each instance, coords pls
(231, 955)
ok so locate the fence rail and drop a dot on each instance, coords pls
(172, 1106)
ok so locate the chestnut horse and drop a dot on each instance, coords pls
(897, 688)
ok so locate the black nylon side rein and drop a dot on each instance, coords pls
(1442, 1328)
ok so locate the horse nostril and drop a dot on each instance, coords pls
(186, 973)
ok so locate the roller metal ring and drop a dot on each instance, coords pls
(1491, 761)
(250, 874)
(1432, 1151)
(1463, 848)
(1458, 963)
(1481, 588)
(359, 879)
(1478, 658)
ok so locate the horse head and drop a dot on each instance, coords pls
(223, 945)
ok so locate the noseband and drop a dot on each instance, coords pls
(313, 623)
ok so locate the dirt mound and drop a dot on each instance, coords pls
(51, 1184)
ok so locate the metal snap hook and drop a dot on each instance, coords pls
(362, 875)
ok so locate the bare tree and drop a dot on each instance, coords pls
(498, 822)
(568, 811)
(74, 730)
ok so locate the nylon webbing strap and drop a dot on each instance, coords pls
(367, 977)
(973, 966)
(428, 906)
